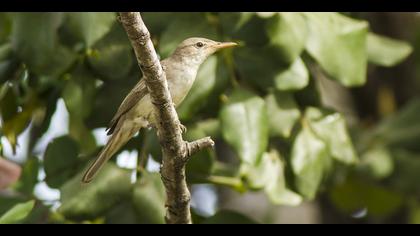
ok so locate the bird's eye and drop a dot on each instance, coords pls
(200, 44)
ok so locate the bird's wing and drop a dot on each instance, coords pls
(135, 95)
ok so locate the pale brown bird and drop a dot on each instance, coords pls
(136, 110)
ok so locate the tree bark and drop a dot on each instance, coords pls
(175, 150)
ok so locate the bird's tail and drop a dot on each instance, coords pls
(117, 140)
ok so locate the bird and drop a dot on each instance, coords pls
(136, 110)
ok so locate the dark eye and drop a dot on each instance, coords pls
(200, 44)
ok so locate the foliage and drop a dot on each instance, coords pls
(260, 101)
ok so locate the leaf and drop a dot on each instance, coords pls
(377, 162)
(34, 38)
(113, 56)
(90, 201)
(157, 22)
(284, 113)
(60, 161)
(401, 129)
(5, 26)
(356, 194)
(17, 213)
(405, 172)
(244, 125)
(309, 159)
(288, 33)
(269, 175)
(332, 129)
(90, 26)
(385, 51)
(232, 22)
(199, 165)
(294, 78)
(29, 176)
(149, 199)
(181, 28)
(228, 217)
(338, 44)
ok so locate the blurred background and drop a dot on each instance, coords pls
(316, 118)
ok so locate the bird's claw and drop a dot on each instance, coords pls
(182, 128)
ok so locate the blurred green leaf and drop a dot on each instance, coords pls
(401, 129)
(228, 217)
(269, 174)
(60, 161)
(288, 33)
(231, 22)
(284, 113)
(29, 176)
(377, 162)
(181, 28)
(385, 51)
(113, 56)
(122, 213)
(157, 22)
(84, 202)
(200, 165)
(149, 199)
(294, 78)
(34, 38)
(78, 96)
(357, 194)
(331, 128)
(5, 27)
(90, 26)
(338, 44)
(244, 125)
(406, 171)
(17, 213)
(309, 159)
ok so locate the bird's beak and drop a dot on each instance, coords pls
(219, 46)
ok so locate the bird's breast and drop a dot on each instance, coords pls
(180, 82)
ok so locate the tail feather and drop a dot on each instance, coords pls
(114, 144)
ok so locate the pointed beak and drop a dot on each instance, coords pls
(222, 45)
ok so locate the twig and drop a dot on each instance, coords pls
(175, 150)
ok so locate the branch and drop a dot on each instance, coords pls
(175, 150)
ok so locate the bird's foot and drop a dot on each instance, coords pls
(182, 128)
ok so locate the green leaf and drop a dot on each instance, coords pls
(338, 44)
(357, 194)
(288, 33)
(232, 22)
(309, 159)
(269, 174)
(60, 161)
(228, 217)
(5, 27)
(385, 51)
(284, 113)
(181, 28)
(157, 22)
(401, 129)
(200, 165)
(82, 202)
(113, 56)
(406, 171)
(332, 129)
(78, 96)
(90, 26)
(244, 125)
(34, 38)
(17, 213)
(29, 176)
(149, 199)
(294, 78)
(377, 162)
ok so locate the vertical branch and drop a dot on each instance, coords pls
(175, 150)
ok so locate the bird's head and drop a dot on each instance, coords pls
(196, 50)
